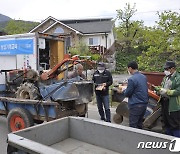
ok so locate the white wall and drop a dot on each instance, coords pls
(101, 39)
(111, 38)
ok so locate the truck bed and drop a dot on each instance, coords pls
(82, 135)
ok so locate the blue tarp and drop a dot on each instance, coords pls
(16, 46)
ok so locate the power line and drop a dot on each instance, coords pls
(158, 11)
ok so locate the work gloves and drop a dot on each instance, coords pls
(162, 91)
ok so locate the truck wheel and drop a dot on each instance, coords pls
(19, 118)
(27, 91)
(118, 118)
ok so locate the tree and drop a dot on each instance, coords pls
(162, 42)
(18, 27)
(82, 49)
(129, 37)
(127, 30)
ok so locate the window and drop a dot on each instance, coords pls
(93, 41)
(58, 30)
(68, 42)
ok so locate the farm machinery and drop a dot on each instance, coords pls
(30, 97)
(152, 116)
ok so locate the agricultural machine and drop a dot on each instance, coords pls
(33, 84)
(153, 112)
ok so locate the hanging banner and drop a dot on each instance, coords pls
(16, 46)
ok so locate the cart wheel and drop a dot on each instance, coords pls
(118, 118)
(18, 119)
(81, 109)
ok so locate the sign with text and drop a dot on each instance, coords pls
(16, 46)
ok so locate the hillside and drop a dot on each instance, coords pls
(3, 21)
(3, 24)
(11, 26)
(4, 18)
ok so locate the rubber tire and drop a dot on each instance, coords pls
(81, 109)
(27, 91)
(117, 118)
(24, 114)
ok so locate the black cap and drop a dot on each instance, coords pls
(101, 66)
(169, 64)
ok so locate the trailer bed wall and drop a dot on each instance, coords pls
(48, 133)
(114, 137)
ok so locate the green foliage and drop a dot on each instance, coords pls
(163, 43)
(122, 59)
(152, 60)
(3, 25)
(18, 27)
(95, 57)
(82, 49)
(151, 47)
(128, 31)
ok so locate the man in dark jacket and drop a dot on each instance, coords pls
(137, 93)
(102, 79)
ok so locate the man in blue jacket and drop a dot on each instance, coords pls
(137, 93)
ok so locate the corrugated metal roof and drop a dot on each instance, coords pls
(93, 27)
